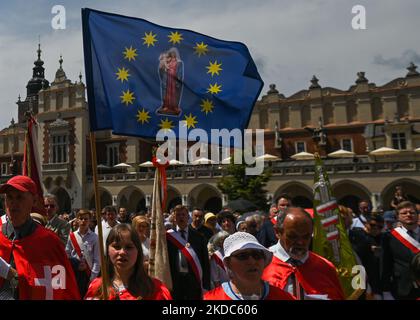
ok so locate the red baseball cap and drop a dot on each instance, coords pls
(21, 183)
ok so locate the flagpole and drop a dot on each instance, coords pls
(104, 271)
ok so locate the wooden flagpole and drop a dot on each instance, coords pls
(104, 271)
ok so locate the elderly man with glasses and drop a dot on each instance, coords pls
(400, 245)
(56, 224)
(245, 259)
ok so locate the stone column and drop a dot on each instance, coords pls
(316, 113)
(295, 116)
(389, 106)
(340, 115)
(364, 109)
(414, 105)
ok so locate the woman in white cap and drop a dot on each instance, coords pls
(245, 259)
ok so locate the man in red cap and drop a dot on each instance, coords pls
(37, 254)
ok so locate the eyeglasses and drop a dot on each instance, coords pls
(256, 255)
(49, 206)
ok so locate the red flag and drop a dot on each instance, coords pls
(32, 165)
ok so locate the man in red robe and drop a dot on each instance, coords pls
(294, 268)
(37, 254)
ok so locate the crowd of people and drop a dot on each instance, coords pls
(228, 255)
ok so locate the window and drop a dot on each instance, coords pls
(399, 141)
(300, 146)
(347, 144)
(59, 149)
(112, 152)
(4, 167)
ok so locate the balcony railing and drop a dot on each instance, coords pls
(56, 168)
(280, 168)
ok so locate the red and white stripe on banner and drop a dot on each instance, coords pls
(333, 235)
(330, 205)
(218, 258)
(329, 221)
(188, 252)
(408, 241)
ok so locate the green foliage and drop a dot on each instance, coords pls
(236, 184)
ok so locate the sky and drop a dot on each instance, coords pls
(290, 41)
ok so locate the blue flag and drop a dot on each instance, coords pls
(142, 77)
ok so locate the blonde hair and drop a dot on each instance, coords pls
(137, 220)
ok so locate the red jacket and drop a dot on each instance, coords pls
(44, 271)
(317, 276)
(274, 293)
(161, 292)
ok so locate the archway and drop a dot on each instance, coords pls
(300, 194)
(206, 197)
(132, 199)
(137, 202)
(348, 193)
(105, 199)
(173, 198)
(410, 188)
(64, 201)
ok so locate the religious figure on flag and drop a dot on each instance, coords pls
(171, 74)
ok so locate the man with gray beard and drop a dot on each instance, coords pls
(294, 268)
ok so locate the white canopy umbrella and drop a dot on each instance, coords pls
(203, 161)
(341, 154)
(122, 165)
(384, 151)
(417, 150)
(147, 164)
(303, 156)
(102, 166)
(268, 157)
(175, 162)
(227, 160)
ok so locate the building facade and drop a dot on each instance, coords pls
(361, 119)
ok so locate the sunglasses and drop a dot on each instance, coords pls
(49, 206)
(256, 255)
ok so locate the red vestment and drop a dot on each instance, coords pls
(44, 271)
(170, 100)
(161, 292)
(274, 293)
(317, 276)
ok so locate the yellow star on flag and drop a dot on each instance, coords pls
(201, 48)
(214, 88)
(207, 106)
(190, 121)
(149, 39)
(143, 116)
(214, 68)
(122, 74)
(127, 97)
(175, 37)
(166, 124)
(130, 53)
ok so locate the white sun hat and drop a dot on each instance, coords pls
(241, 241)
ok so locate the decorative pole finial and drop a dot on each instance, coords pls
(61, 61)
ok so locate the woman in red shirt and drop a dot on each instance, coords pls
(129, 280)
